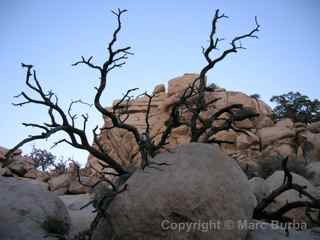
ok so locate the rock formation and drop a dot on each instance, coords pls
(23, 168)
(20, 166)
(264, 136)
(81, 218)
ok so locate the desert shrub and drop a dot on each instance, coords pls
(55, 226)
(42, 158)
(256, 96)
(268, 165)
(212, 87)
(296, 106)
(45, 161)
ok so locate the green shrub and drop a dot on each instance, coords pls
(297, 107)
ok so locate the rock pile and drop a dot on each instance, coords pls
(23, 167)
(264, 136)
(20, 166)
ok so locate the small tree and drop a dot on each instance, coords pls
(297, 107)
(42, 158)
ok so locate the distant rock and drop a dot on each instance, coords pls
(60, 182)
(19, 165)
(68, 183)
(3, 152)
(81, 187)
(264, 138)
(121, 145)
(36, 174)
(272, 134)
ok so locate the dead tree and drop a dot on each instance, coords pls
(192, 100)
(64, 121)
(261, 212)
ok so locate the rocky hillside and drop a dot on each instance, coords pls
(264, 138)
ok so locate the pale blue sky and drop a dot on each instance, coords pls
(166, 37)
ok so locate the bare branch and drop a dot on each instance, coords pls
(260, 210)
(77, 137)
(88, 63)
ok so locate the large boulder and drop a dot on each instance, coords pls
(310, 144)
(19, 165)
(36, 174)
(68, 183)
(200, 184)
(26, 208)
(276, 180)
(246, 140)
(81, 218)
(80, 187)
(313, 170)
(61, 182)
(259, 188)
(41, 184)
(282, 129)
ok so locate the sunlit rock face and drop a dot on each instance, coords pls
(264, 135)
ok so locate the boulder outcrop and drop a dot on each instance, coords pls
(200, 184)
(81, 218)
(19, 165)
(264, 136)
